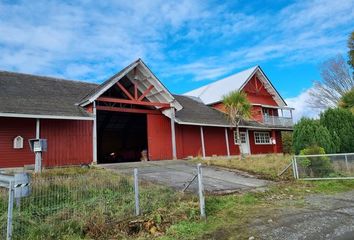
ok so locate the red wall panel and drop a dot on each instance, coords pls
(69, 142)
(256, 92)
(10, 128)
(188, 141)
(159, 137)
(214, 140)
(265, 148)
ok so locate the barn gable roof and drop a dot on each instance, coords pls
(213, 92)
(39, 96)
(146, 78)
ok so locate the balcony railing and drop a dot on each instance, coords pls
(278, 121)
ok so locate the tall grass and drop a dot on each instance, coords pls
(77, 203)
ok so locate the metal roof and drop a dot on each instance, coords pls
(213, 92)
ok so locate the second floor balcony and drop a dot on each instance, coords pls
(277, 116)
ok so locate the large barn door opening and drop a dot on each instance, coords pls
(121, 136)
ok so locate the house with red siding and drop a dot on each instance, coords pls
(130, 113)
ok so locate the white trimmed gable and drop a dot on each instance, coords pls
(213, 92)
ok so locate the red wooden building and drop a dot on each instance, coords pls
(131, 112)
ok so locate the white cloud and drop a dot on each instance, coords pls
(182, 39)
(302, 108)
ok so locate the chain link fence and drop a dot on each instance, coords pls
(324, 166)
(93, 204)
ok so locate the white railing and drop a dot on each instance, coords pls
(278, 121)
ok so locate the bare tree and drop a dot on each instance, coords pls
(336, 81)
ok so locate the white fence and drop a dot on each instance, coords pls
(324, 166)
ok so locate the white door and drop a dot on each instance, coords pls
(245, 144)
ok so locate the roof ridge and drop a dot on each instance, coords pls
(46, 77)
(207, 86)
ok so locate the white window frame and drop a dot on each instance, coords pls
(265, 134)
(235, 138)
(18, 142)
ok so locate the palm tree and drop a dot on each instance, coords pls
(237, 108)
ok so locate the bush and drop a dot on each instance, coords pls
(340, 124)
(315, 166)
(287, 141)
(309, 132)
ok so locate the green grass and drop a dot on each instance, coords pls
(264, 166)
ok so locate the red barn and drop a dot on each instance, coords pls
(131, 112)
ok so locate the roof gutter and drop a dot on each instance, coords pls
(20, 115)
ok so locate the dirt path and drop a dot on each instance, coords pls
(322, 217)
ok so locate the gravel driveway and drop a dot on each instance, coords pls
(176, 173)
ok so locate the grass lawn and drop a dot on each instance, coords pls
(265, 166)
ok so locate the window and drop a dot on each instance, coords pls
(243, 136)
(18, 142)
(262, 138)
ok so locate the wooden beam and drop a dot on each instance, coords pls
(127, 110)
(134, 102)
(125, 90)
(146, 92)
(135, 91)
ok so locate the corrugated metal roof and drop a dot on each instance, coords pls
(214, 92)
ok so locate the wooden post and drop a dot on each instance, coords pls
(94, 134)
(173, 134)
(202, 140)
(227, 143)
(38, 127)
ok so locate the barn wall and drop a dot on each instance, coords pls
(159, 137)
(234, 149)
(10, 128)
(214, 140)
(69, 142)
(188, 141)
(265, 148)
(256, 92)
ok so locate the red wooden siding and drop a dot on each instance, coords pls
(69, 142)
(188, 141)
(214, 140)
(159, 137)
(256, 92)
(265, 148)
(10, 128)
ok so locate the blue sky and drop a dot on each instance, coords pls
(186, 43)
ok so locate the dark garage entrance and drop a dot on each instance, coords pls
(121, 137)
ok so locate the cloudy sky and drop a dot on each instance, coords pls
(186, 43)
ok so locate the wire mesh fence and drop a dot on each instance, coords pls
(324, 166)
(94, 204)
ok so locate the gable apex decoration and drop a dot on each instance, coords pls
(212, 93)
(144, 79)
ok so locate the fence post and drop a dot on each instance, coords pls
(346, 162)
(136, 191)
(10, 211)
(296, 168)
(201, 191)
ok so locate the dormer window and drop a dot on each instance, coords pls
(18, 142)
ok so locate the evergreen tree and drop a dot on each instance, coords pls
(340, 124)
(309, 132)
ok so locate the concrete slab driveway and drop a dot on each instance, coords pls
(176, 174)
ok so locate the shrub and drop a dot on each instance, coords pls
(287, 141)
(309, 132)
(340, 124)
(315, 166)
